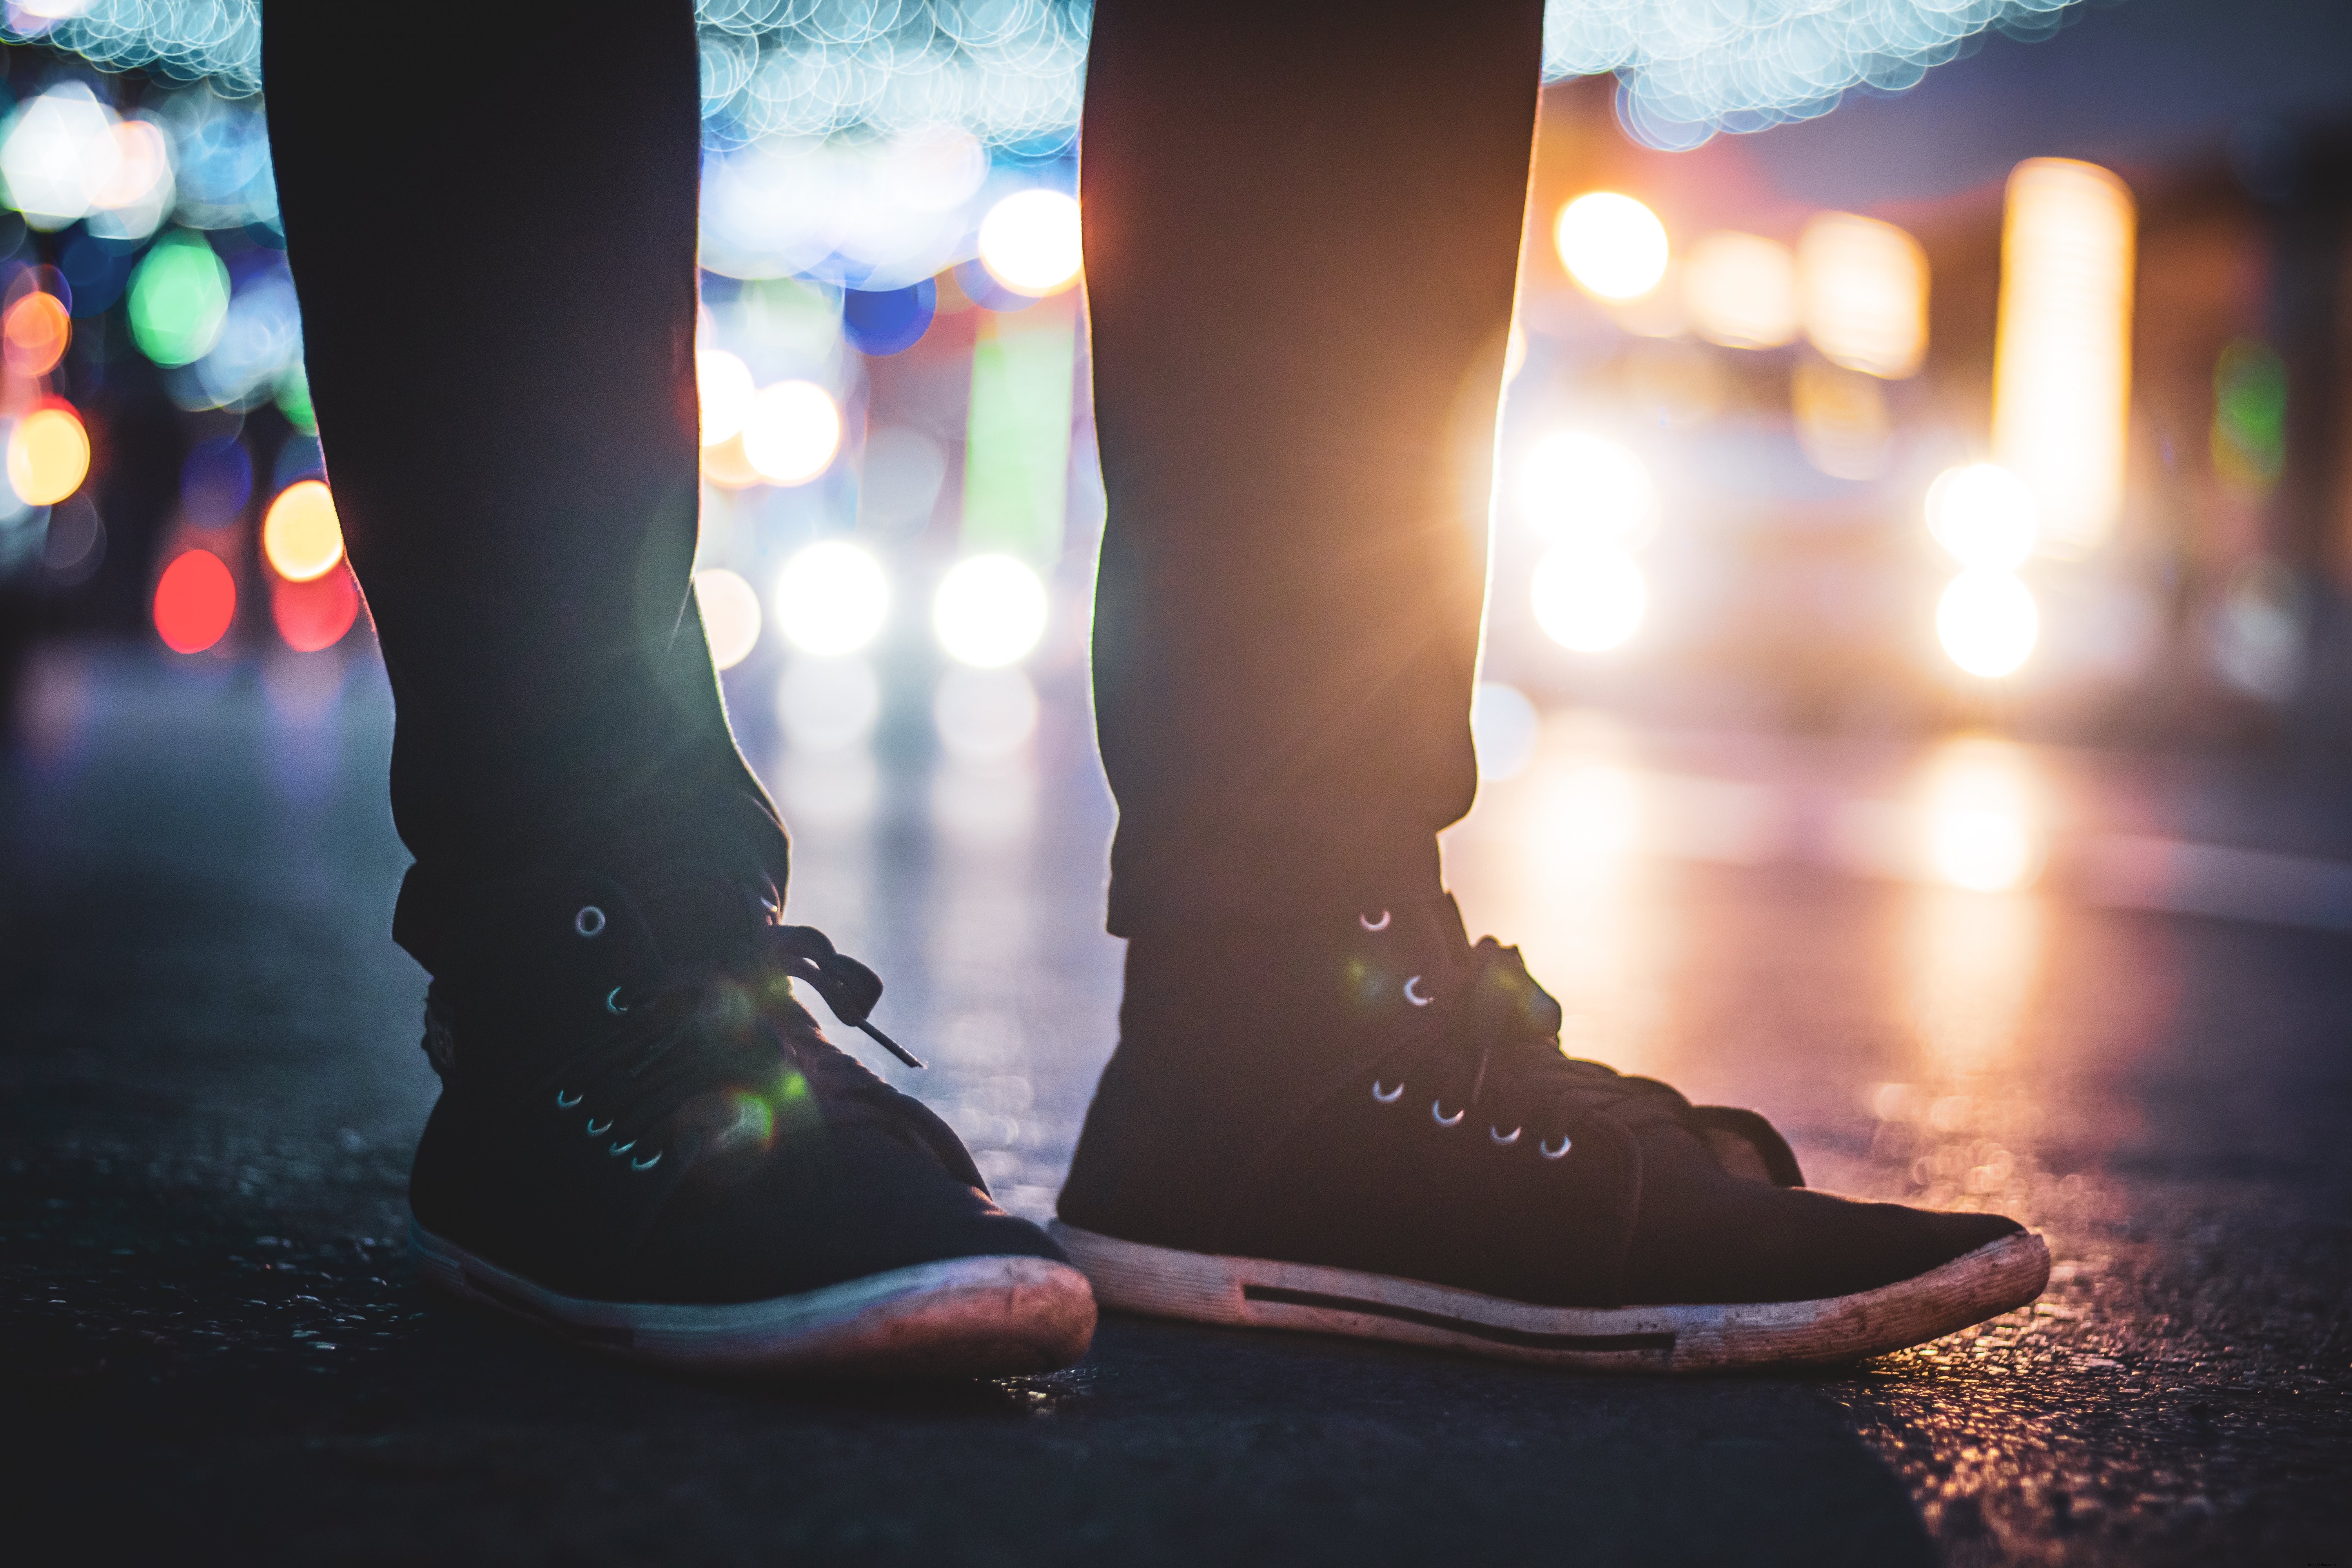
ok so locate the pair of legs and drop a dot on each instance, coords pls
(1302, 233)
(1303, 227)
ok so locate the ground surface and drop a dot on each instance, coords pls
(211, 1339)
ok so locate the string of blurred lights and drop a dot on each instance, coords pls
(1011, 72)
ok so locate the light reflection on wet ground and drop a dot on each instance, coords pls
(1905, 954)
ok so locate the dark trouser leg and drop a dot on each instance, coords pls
(1302, 235)
(507, 402)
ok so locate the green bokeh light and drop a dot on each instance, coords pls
(179, 297)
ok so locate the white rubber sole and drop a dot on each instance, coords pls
(1255, 1292)
(962, 1317)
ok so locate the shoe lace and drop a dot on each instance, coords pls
(735, 1029)
(1492, 1042)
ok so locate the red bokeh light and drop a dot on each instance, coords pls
(196, 600)
(315, 615)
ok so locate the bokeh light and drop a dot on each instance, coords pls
(730, 616)
(1030, 242)
(1987, 623)
(1579, 488)
(300, 535)
(990, 610)
(985, 714)
(35, 333)
(2061, 346)
(791, 431)
(1978, 814)
(1588, 599)
(1741, 290)
(1983, 515)
(179, 301)
(723, 384)
(48, 455)
(1865, 293)
(196, 600)
(1612, 245)
(831, 598)
(889, 321)
(826, 704)
(315, 615)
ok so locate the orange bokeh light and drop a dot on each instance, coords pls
(301, 536)
(49, 454)
(35, 333)
(196, 600)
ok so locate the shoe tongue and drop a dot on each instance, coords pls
(699, 916)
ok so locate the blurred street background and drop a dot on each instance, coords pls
(1917, 704)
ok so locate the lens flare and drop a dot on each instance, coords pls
(48, 455)
(831, 598)
(196, 600)
(1030, 242)
(300, 535)
(723, 383)
(990, 610)
(791, 431)
(1583, 489)
(1612, 245)
(35, 334)
(1987, 623)
(1589, 599)
(1984, 515)
(730, 616)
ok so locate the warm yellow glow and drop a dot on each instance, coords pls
(831, 598)
(2062, 354)
(1582, 489)
(990, 611)
(1589, 599)
(1030, 242)
(723, 383)
(1864, 287)
(48, 455)
(301, 536)
(1987, 623)
(1741, 290)
(1981, 809)
(730, 616)
(1984, 515)
(1612, 245)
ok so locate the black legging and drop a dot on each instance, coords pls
(1302, 230)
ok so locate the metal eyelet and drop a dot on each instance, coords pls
(1548, 1152)
(563, 1103)
(612, 1002)
(646, 1165)
(1443, 1120)
(596, 1132)
(1371, 924)
(1391, 1097)
(622, 1148)
(1505, 1143)
(1415, 997)
(589, 922)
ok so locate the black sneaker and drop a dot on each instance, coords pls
(1373, 1132)
(645, 1145)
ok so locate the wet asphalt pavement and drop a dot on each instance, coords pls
(212, 1342)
